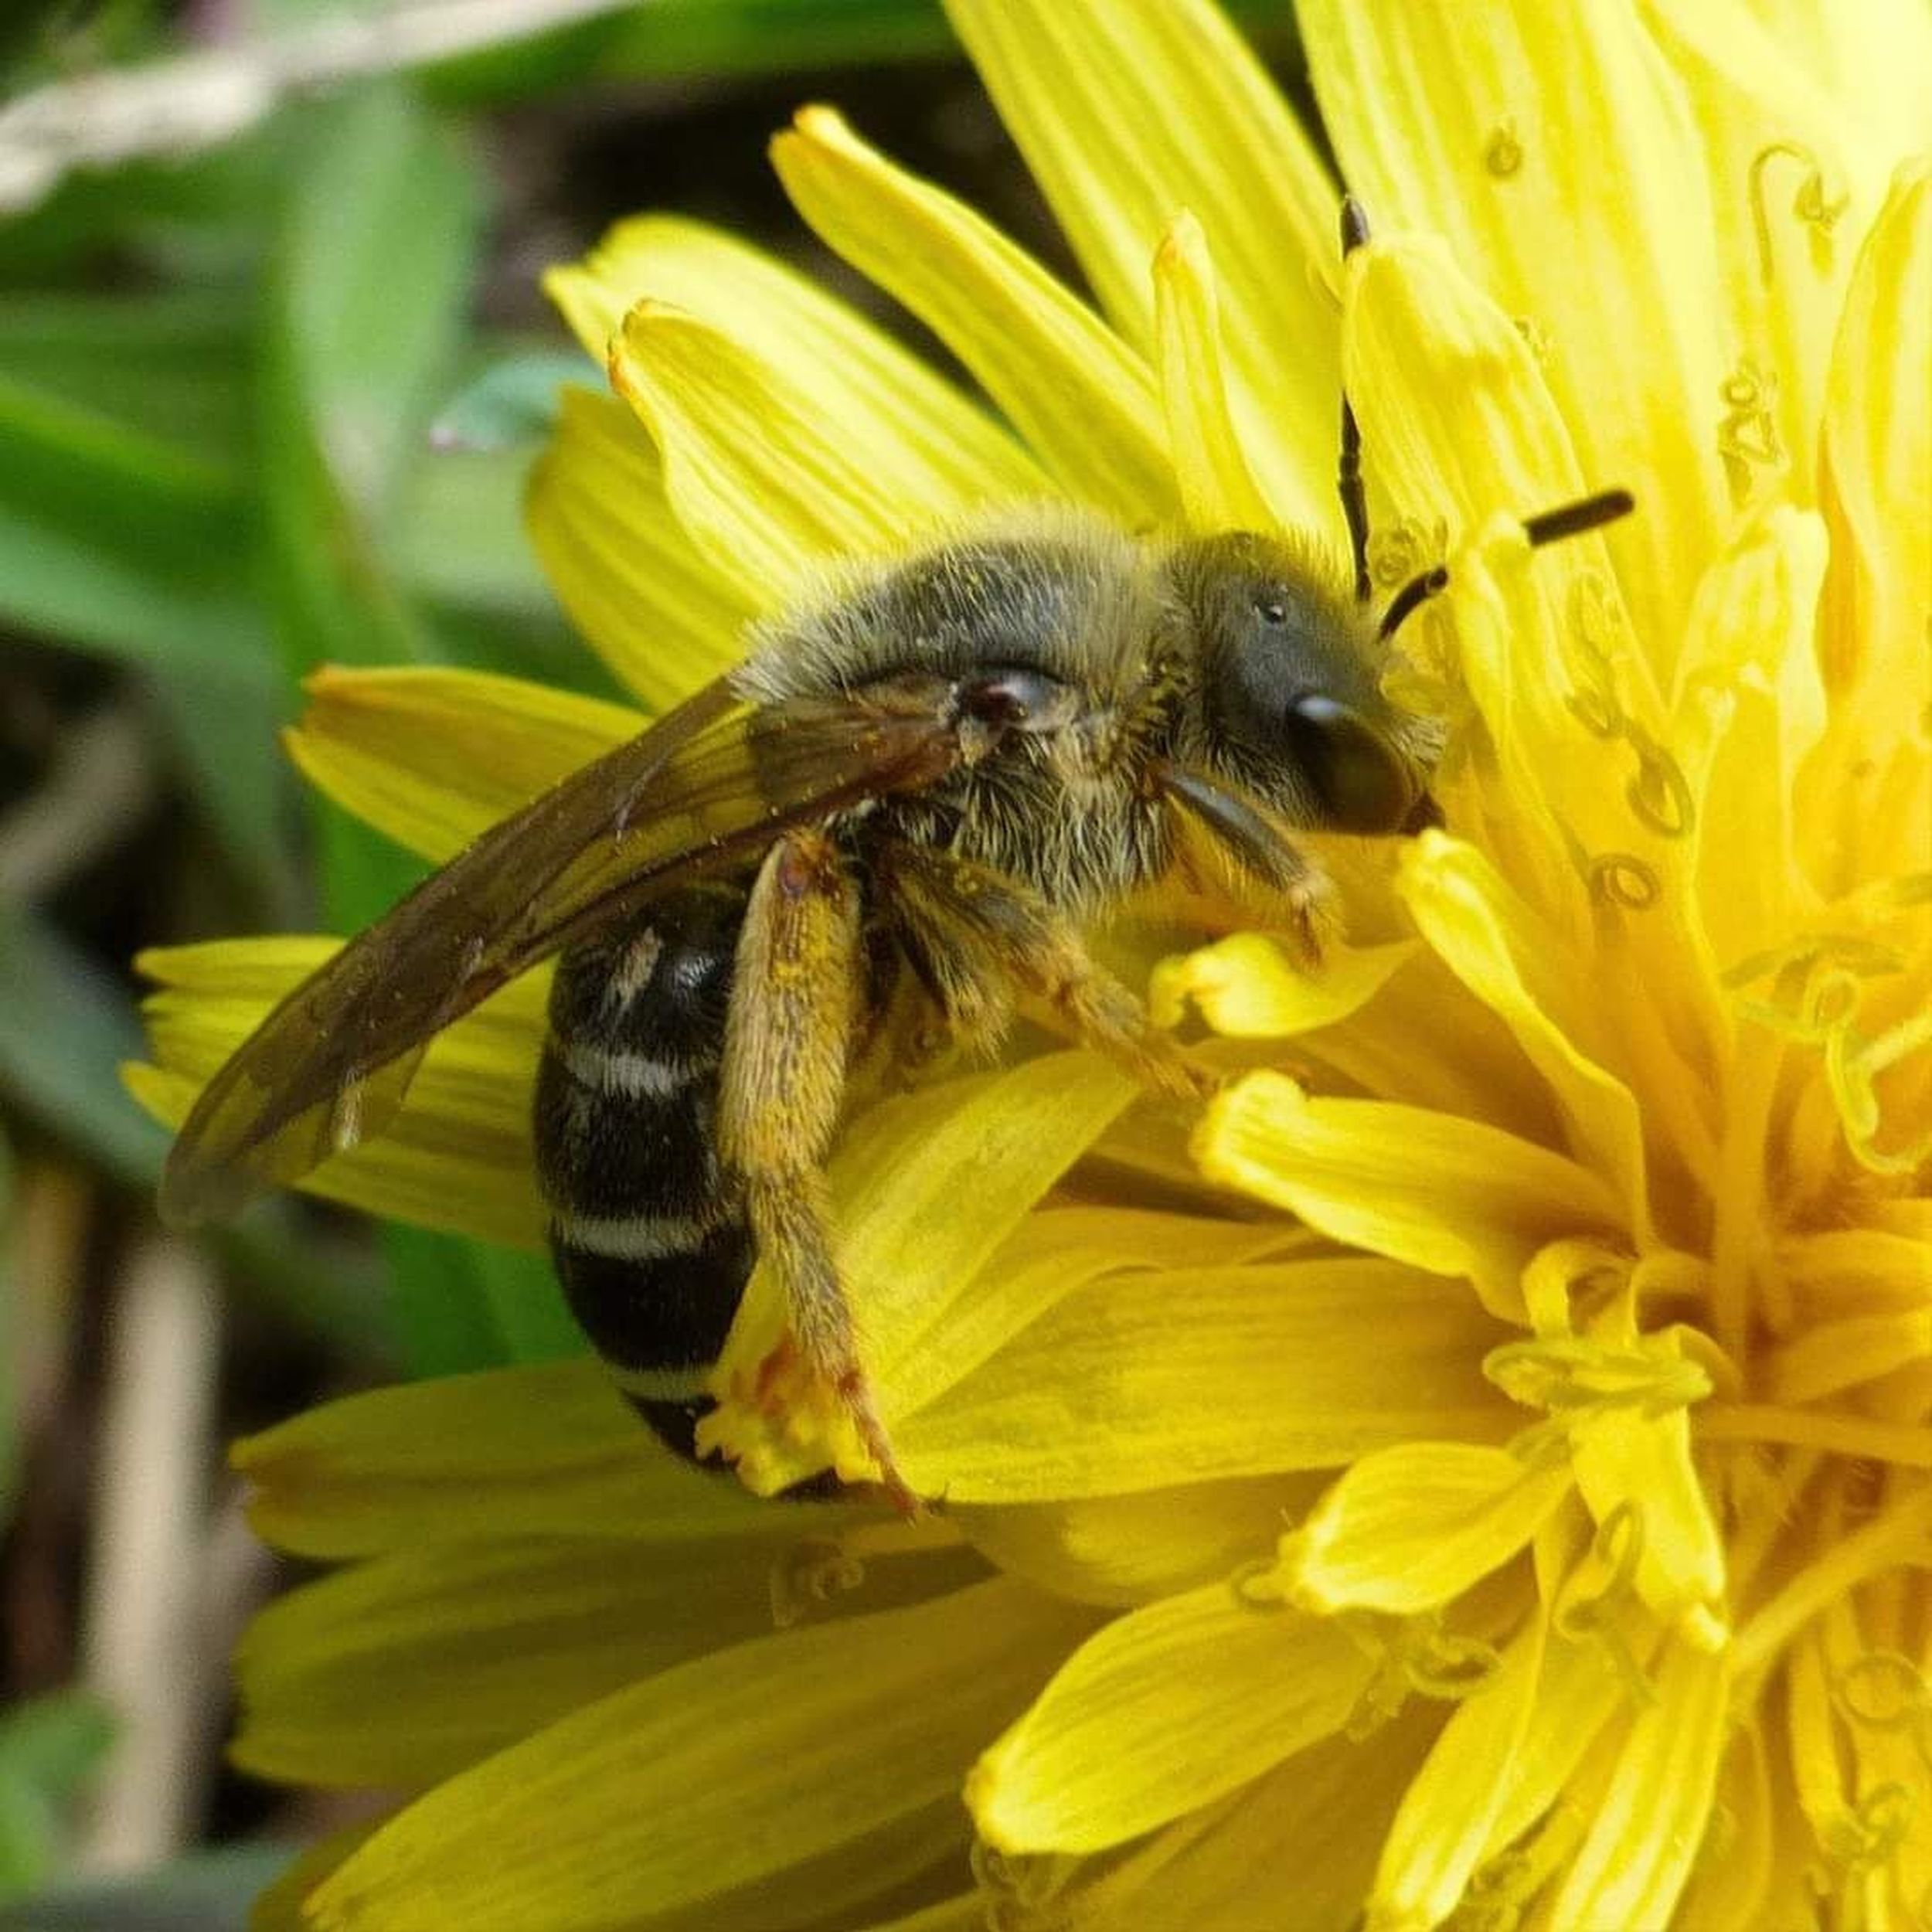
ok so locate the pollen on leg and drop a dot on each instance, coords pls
(778, 1371)
(778, 1415)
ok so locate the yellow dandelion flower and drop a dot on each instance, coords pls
(1531, 1522)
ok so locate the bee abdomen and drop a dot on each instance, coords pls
(647, 1229)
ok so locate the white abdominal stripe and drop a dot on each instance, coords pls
(635, 1237)
(634, 1075)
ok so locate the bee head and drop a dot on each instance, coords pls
(1284, 694)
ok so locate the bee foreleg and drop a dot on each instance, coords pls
(1260, 853)
(980, 934)
(796, 993)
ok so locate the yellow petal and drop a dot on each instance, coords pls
(998, 1142)
(1452, 1196)
(1419, 1039)
(1735, 1883)
(1846, 1271)
(812, 344)
(1082, 399)
(964, 1913)
(1123, 1551)
(1522, 970)
(662, 618)
(1207, 1870)
(1877, 487)
(1824, 1358)
(458, 1156)
(279, 1907)
(1459, 418)
(1246, 987)
(765, 477)
(1473, 128)
(1817, 1766)
(1650, 1818)
(1407, 1529)
(1126, 115)
(1624, 1399)
(1218, 490)
(1750, 655)
(908, 1255)
(1579, 1689)
(1876, 60)
(1645, 1463)
(1143, 1381)
(857, 1882)
(753, 470)
(435, 756)
(1792, 183)
(401, 1671)
(1436, 1840)
(1050, 1254)
(550, 1450)
(636, 1805)
(1165, 1710)
(1573, 782)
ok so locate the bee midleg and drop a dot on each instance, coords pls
(795, 1008)
(976, 932)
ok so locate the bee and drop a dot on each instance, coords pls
(940, 772)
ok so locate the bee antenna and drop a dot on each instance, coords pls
(1432, 583)
(1572, 520)
(1354, 501)
(1549, 526)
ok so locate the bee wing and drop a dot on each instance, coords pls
(713, 781)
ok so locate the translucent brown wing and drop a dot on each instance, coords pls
(713, 781)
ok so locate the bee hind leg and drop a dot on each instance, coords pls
(979, 933)
(795, 1005)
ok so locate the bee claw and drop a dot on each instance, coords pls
(855, 1393)
(1312, 924)
(1186, 1078)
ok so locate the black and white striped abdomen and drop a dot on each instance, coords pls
(648, 1230)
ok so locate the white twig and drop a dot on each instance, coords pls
(102, 781)
(200, 99)
(141, 1643)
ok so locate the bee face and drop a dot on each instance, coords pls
(1286, 700)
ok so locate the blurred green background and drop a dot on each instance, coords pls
(273, 365)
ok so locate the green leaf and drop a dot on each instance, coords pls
(224, 720)
(170, 363)
(512, 405)
(675, 39)
(460, 543)
(365, 300)
(122, 532)
(65, 1028)
(204, 1892)
(78, 585)
(49, 1747)
(671, 38)
(459, 537)
(12, 1291)
(464, 1305)
(192, 219)
(378, 250)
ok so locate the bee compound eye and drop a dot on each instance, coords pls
(1364, 782)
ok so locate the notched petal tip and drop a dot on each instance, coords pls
(1080, 397)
